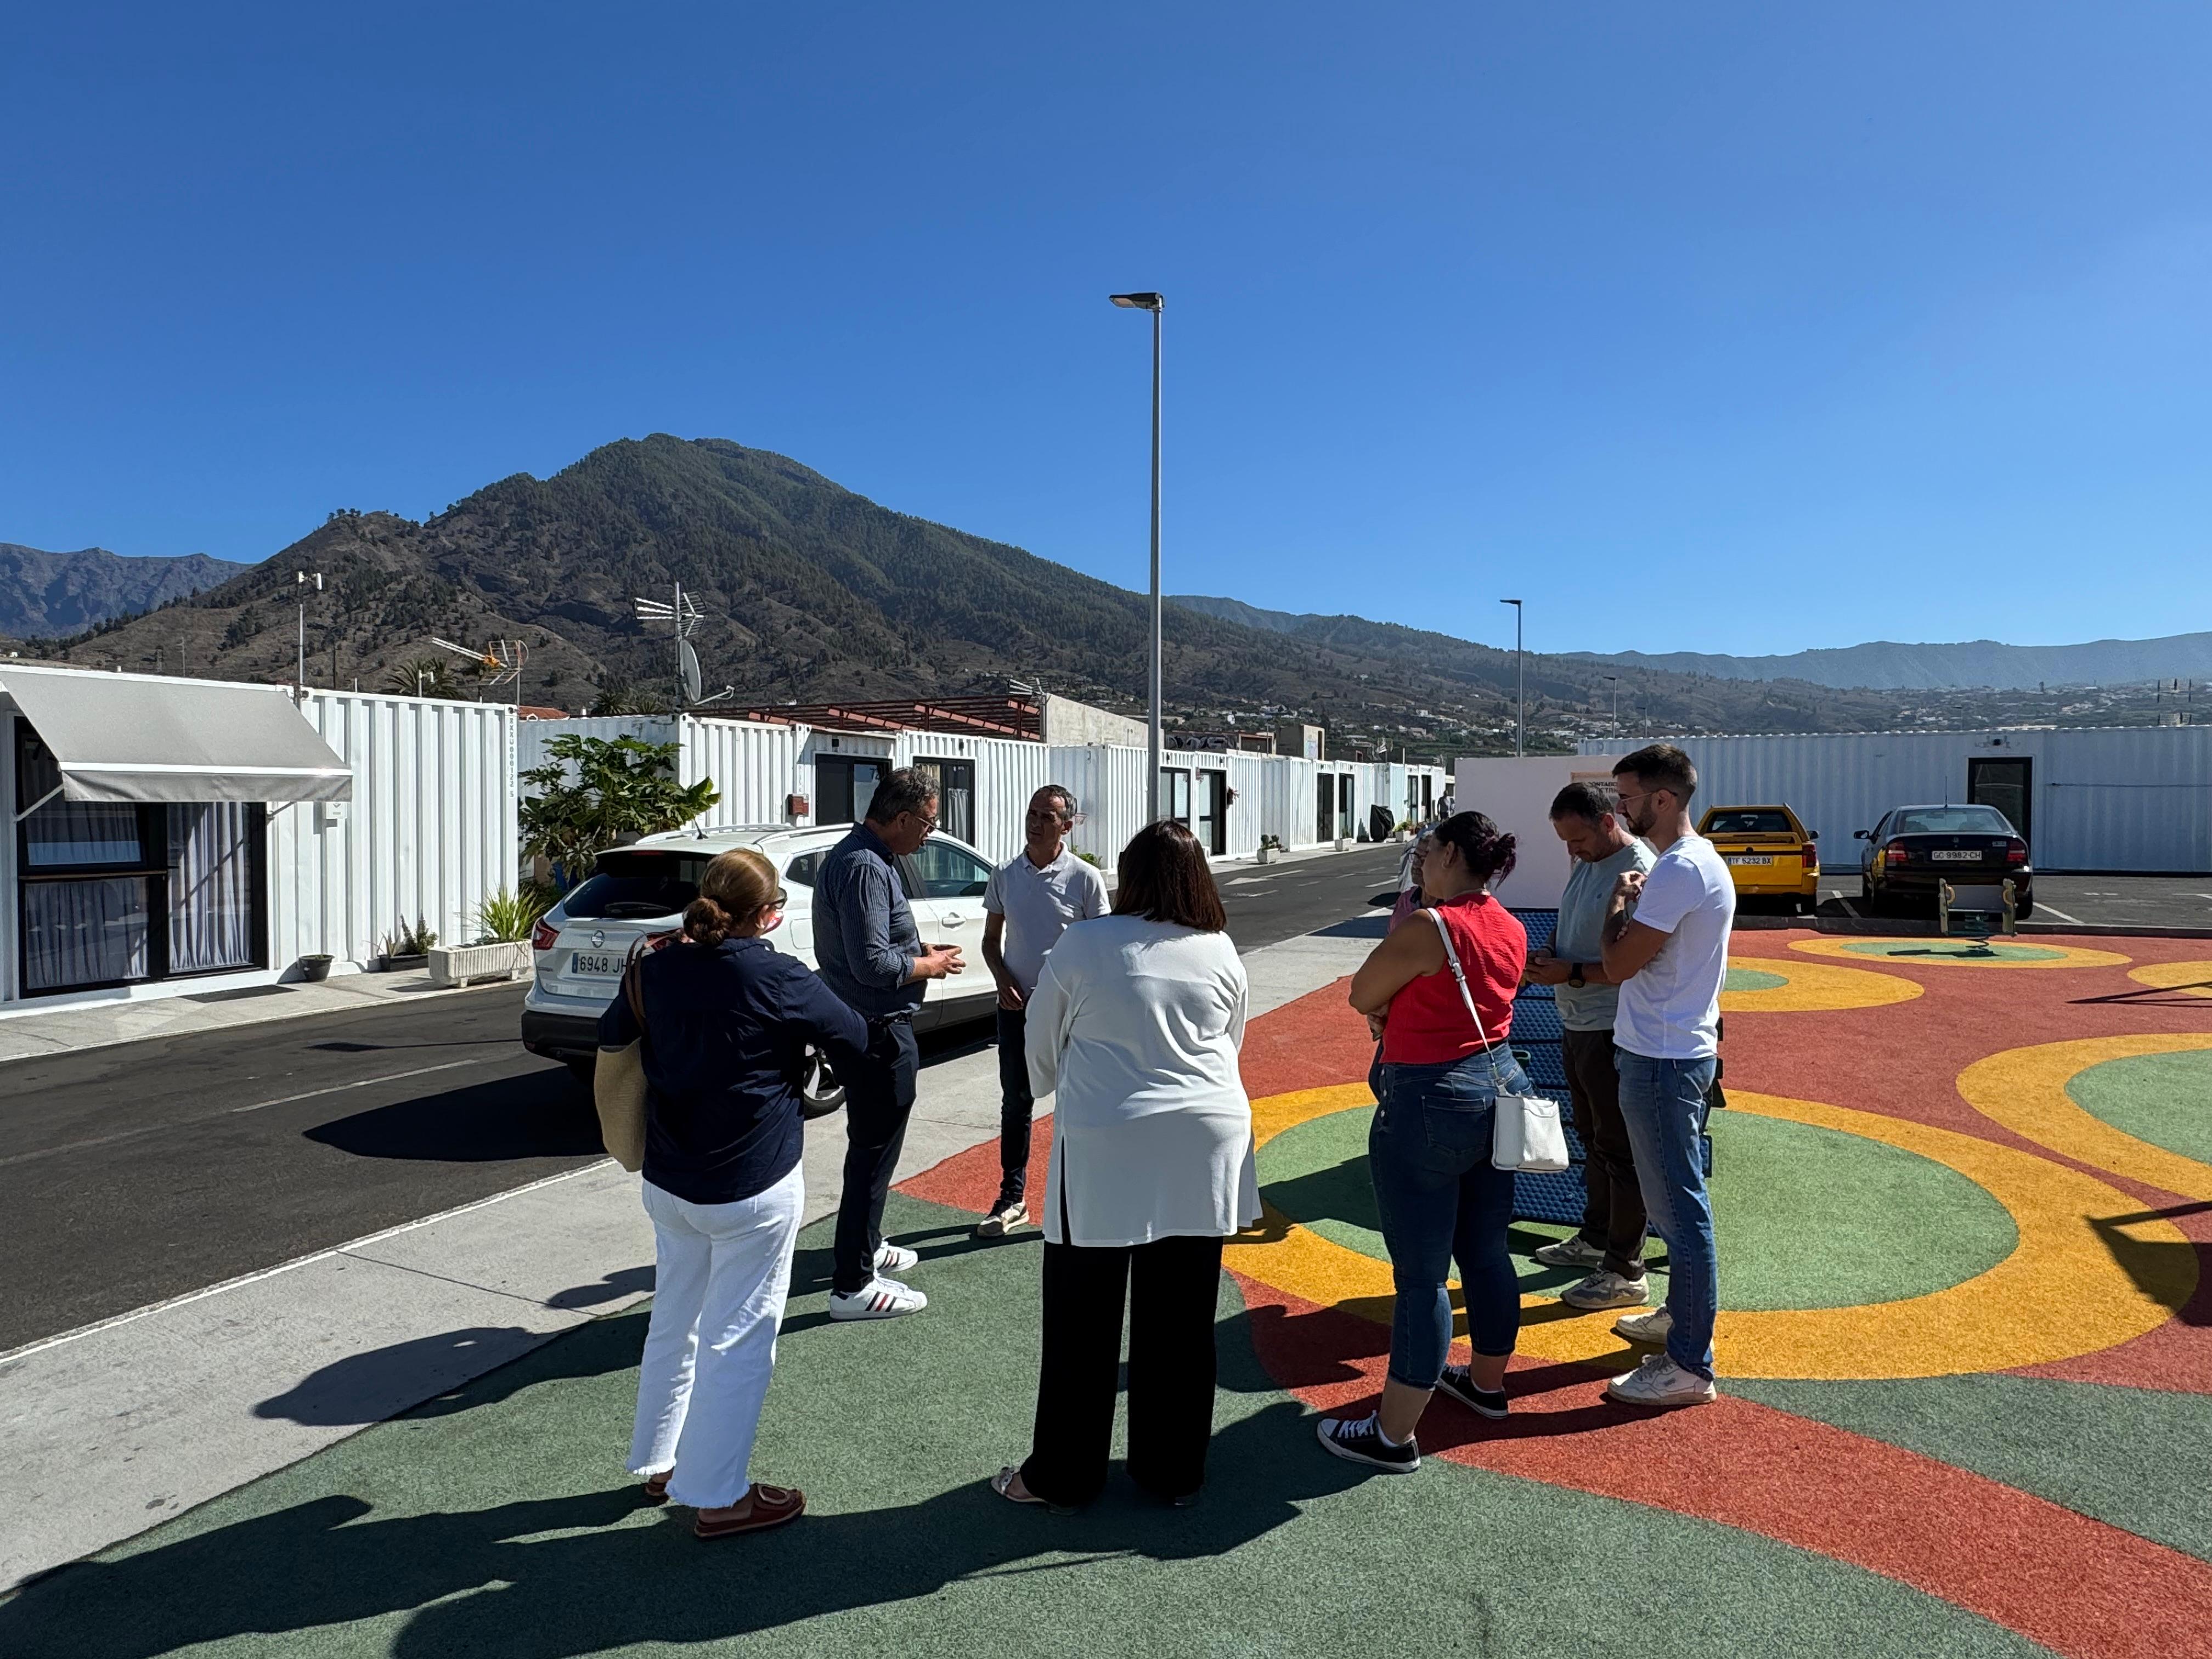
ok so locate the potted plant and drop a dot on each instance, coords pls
(315, 969)
(501, 949)
(1271, 848)
(409, 947)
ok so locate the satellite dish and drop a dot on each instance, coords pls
(690, 671)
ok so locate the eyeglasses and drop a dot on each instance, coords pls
(777, 903)
(928, 823)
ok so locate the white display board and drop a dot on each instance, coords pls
(1516, 793)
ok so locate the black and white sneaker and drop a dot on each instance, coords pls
(1487, 1402)
(1359, 1440)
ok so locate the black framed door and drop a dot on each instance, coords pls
(956, 795)
(1175, 794)
(2005, 784)
(1210, 826)
(1325, 808)
(846, 785)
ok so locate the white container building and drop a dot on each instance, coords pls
(2088, 799)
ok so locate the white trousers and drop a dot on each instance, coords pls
(721, 1272)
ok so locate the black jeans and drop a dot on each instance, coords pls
(1171, 1285)
(878, 1098)
(1612, 1211)
(1016, 1104)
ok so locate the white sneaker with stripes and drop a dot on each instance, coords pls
(879, 1298)
(895, 1258)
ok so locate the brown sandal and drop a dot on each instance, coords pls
(656, 1486)
(773, 1506)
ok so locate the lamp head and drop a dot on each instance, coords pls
(1140, 301)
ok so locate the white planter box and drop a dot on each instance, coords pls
(462, 964)
(1344, 843)
(1265, 855)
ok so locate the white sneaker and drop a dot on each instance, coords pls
(890, 1259)
(1572, 1251)
(1660, 1381)
(879, 1298)
(1652, 1329)
(1606, 1289)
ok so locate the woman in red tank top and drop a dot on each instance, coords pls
(1428, 1149)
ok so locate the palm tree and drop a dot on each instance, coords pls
(425, 676)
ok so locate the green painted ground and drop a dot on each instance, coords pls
(1753, 979)
(2165, 1099)
(2115, 1453)
(499, 1522)
(1808, 1217)
(1907, 949)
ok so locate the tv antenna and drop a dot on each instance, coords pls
(502, 661)
(683, 617)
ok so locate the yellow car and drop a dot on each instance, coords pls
(1771, 854)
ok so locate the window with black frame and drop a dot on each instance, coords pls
(119, 894)
(956, 794)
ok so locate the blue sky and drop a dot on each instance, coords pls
(1734, 327)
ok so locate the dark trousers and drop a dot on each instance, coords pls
(1171, 1285)
(878, 1097)
(1016, 1104)
(1613, 1212)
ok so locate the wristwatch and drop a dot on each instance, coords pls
(1575, 975)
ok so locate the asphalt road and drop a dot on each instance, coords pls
(133, 1174)
(2091, 900)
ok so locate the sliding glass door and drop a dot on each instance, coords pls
(118, 894)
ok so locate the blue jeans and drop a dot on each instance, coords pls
(1428, 1152)
(1663, 1103)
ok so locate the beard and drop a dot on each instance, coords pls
(1642, 819)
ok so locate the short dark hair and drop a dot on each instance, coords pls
(1487, 849)
(1066, 796)
(1164, 878)
(1662, 766)
(1583, 800)
(907, 790)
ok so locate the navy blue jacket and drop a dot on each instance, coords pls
(727, 1030)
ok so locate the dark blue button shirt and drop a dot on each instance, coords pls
(728, 1029)
(863, 932)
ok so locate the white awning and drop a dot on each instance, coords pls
(130, 737)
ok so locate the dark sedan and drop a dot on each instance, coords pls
(1915, 848)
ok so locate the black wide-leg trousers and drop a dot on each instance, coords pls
(1171, 1286)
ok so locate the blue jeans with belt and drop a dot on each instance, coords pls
(1663, 1103)
(1428, 1152)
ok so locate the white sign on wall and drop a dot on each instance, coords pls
(1515, 793)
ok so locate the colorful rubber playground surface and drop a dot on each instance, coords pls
(1964, 1201)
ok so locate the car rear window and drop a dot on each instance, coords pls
(1952, 821)
(1749, 821)
(633, 884)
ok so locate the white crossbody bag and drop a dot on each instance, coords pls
(1525, 1134)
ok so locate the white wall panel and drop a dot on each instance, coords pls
(1008, 771)
(1109, 782)
(754, 764)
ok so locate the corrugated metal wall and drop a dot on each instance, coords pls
(2111, 800)
(1007, 773)
(1109, 782)
(755, 766)
(430, 833)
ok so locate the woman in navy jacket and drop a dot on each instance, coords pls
(727, 1021)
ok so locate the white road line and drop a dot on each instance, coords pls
(366, 1082)
(2053, 910)
(109, 1324)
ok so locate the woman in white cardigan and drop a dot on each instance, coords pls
(1134, 1026)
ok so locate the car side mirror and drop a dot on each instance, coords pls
(1862, 834)
(1812, 835)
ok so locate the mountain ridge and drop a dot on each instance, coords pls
(45, 593)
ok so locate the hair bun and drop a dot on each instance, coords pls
(705, 923)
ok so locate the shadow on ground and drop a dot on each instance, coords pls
(538, 1114)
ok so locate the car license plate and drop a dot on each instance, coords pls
(1953, 856)
(599, 962)
(1749, 858)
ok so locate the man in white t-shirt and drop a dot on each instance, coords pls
(1030, 902)
(1666, 946)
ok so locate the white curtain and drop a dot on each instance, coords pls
(84, 933)
(210, 887)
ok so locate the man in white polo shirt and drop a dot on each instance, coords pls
(1666, 944)
(1030, 902)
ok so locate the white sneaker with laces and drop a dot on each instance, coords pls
(1606, 1289)
(879, 1298)
(1660, 1381)
(1572, 1251)
(1653, 1328)
(892, 1258)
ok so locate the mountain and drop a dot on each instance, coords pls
(813, 594)
(50, 593)
(1886, 665)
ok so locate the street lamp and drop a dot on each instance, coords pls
(301, 575)
(1153, 303)
(1521, 675)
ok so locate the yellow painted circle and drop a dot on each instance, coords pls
(1811, 987)
(2062, 1293)
(2191, 978)
(1951, 953)
(2025, 1089)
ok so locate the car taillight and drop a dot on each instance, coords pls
(1897, 855)
(2017, 852)
(1811, 854)
(655, 941)
(544, 936)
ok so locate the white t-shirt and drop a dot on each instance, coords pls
(1038, 905)
(1672, 1009)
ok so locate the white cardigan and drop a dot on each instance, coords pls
(1135, 1026)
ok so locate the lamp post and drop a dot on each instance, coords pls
(1154, 303)
(300, 688)
(1521, 677)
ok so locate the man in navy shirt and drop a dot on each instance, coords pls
(872, 957)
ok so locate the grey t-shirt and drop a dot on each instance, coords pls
(1039, 906)
(1581, 935)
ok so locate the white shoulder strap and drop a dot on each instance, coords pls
(1466, 996)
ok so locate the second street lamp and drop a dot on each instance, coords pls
(1153, 303)
(1521, 677)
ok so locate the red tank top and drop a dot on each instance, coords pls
(1428, 1024)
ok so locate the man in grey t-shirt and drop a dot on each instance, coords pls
(1610, 1242)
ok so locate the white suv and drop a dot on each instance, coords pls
(579, 948)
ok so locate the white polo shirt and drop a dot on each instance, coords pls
(1038, 905)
